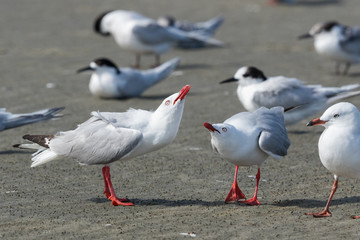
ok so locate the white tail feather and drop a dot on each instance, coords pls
(342, 96)
(44, 157)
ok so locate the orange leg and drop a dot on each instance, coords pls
(326, 212)
(254, 201)
(235, 193)
(109, 190)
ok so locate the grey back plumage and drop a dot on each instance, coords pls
(273, 138)
(97, 141)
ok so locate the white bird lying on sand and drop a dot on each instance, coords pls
(108, 137)
(247, 139)
(256, 90)
(9, 120)
(339, 145)
(206, 28)
(142, 35)
(109, 81)
(336, 42)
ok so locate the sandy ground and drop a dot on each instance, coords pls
(180, 188)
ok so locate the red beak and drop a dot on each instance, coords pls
(316, 121)
(210, 127)
(183, 93)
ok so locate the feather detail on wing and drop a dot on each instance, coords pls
(97, 141)
(273, 138)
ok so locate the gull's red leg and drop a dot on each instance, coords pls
(326, 212)
(235, 193)
(254, 201)
(107, 190)
(108, 187)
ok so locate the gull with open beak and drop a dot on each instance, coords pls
(247, 139)
(108, 137)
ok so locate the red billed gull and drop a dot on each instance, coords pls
(339, 145)
(247, 139)
(109, 81)
(256, 90)
(337, 42)
(108, 137)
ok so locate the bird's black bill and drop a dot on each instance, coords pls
(84, 69)
(304, 36)
(228, 80)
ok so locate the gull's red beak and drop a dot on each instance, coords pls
(210, 127)
(183, 93)
(316, 121)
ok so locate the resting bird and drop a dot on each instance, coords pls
(109, 81)
(247, 139)
(339, 145)
(142, 35)
(108, 137)
(256, 90)
(206, 28)
(9, 120)
(336, 42)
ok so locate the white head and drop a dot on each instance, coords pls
(170, 111)
(339, 114)
(247, 76)
(101, 65)
(222, 137)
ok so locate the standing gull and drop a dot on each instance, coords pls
(142, 35)
(9, 120)
(336, 42)
(339, 145)
(108, 137)
(256, 90)
(109, 81)
(247, 139)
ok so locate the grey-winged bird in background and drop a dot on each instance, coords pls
(256, 90)
(109, 81)
(337, 42)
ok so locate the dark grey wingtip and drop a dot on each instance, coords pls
(228, 80)
(97, 24)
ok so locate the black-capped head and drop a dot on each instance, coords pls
(97, 24)
(98, 63)
(254, 72)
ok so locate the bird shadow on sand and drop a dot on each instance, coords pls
(193, 66)
(157, 97)
(301, 132)
(319, 3)
(165, 202)
(354, 75)
(311, 203)
(7, 152)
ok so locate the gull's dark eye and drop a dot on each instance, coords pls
(167, 102)
(224, 129)
(336, 115)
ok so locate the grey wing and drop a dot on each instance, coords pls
(96, 142)
(351, 43)
(273, 138)
(156, 34)
(286, 97)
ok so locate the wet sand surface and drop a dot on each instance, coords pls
(180, 188)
